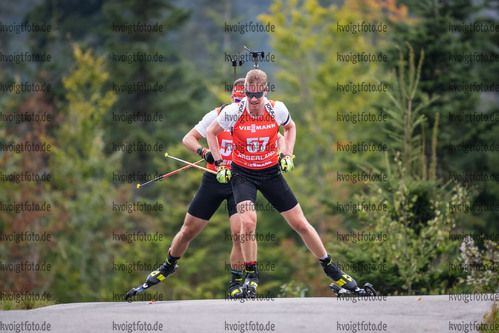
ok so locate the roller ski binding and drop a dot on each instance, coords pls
(155, 277)
(344, 284)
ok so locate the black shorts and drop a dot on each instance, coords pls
(209, 196)
(269, 181)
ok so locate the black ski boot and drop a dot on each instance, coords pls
(344, 284)
(235, 287)
(251, 281)
(337, 275)
(165, 270)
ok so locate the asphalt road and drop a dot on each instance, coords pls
(325, 314)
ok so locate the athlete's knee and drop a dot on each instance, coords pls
(192, 226)
(235, 229)
(301, 227)
(187, 233)
(248, 221)
(247, 214)
(248, 224)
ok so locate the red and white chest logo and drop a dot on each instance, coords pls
(255, 141)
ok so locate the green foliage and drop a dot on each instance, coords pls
(491, 319)
(19, 184)
(481, 266)
(418, 233)
(307, 44)
(419, 202)
(418, 212)
(404, 118)
(81, 188)
(293, 289)
(431, 31)
(182, 91)
(360, 261)
(24, 304)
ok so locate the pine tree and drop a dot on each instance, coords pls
(452, 63)
(418, 210)
(81, 191)
(176, 92)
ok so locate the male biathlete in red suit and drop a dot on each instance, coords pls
(255, 122)
(208, 198)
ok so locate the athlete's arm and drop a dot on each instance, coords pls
(289, 137)
(281, 143)
(283, 118)
(191, 140)
(211, 136)
(198, 132)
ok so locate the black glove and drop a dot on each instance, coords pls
(206, 154)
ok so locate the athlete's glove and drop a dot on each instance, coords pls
(223, 174)
(286, 163)
(206, 154)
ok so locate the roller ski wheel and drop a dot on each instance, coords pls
(368, 290)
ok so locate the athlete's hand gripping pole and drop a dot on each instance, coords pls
(168, 174)
(286, 162)
(191, 164)
(223, 172)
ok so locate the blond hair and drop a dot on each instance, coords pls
(256, 77)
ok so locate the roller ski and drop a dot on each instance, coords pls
(368, 290)
(165, 270)
(251, 282)
(344, 284)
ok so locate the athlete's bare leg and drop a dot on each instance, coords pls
(247, 215)
(299, 223)
(193, 226)
(236, 255)
(190, 229)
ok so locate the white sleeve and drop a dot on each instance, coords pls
(205, 122)
(282, 116)
(228, 117)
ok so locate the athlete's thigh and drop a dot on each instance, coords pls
(208, 198)
(243, 187)
(277, 191)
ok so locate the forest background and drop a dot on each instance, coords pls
(414, 213)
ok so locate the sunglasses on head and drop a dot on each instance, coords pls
(254, 94)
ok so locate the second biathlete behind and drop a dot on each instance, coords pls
(208, 198)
